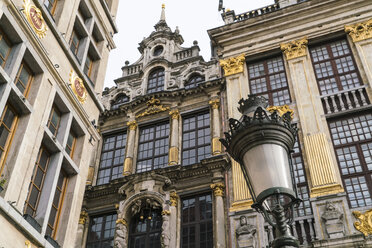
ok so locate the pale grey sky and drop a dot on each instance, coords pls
(136, 19)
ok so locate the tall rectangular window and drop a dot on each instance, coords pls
(70, 145)
(267, 78)
(334, 67)
(5, 48)
(197, 222)
(54, 120)
(55, 212)
(24, 78)
(37, 182)
(352, 140)
(112, 158)
(196, 138)
(51, 6)
(153, 147)
(88, 65)
(75, 41)
(8, 124)
(101, 231)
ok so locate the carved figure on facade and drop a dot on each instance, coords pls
(153, 107)
(165, 232)
(233, 65)
(121, 232)
(174, 199)
(360, 31)
(148, 203)
(246, 234)
(295, 48)
(364, 222)
(333, 221)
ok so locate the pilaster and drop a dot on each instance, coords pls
(174, 140)
(218, 191)
(216, 127)
(81, 227)
(128, 162)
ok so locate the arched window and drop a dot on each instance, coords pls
(193, 81)
(120, 100)
(156, 81)
(145, 229)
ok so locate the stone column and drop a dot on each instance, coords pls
(216, 127)
(128, 162)
(174, 137)
(121, 234)
(218, 191)
(173, 219)
(324, 177)
(80, 231)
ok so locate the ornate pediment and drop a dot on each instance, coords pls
(153, 107)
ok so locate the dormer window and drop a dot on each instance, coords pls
(120, 100)
(194, 81)
(158, 50)
(156, 81)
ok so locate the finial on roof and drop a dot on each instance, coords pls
(162, 16)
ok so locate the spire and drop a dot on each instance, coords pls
(162, 24)
(162, 16)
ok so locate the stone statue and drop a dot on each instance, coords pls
(136, 207)
(120, 234)
(245, 234)
(333, 221)
(165, 233)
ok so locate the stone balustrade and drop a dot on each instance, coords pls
(256, 12)
(133, 69)
(183, 54)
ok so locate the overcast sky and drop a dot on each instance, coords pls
(136, 19)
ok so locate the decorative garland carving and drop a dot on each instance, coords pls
(132, 125)
(175, 114)
(174, 199)
(218, 189)
(83, 217)
(364, 225)
(281, 110)
(214, 103)
(122, 221)
(233, 65)
(165, 212)
(360, 31)
(153, 107)
(295, 48)
(35, 18)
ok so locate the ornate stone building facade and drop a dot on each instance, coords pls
(313, 56)
(53, 58)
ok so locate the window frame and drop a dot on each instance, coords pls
(100, 241)
(73, 144)
(30, 79)
(193, 81)
(157, 74)
(53, 8)
(88, 68)
(59, 115)
(119, 100)
(76, 46)
(3, 37)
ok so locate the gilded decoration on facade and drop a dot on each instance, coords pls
(281, 110)
(78, 87)
(132, 125)
(153, 107)
(364, 223)
(218, 189)
(175, 114)
(216, 146)
(360, 31)
(35, 18)
(165, 212)
(122, 221)
(174, 199)
(233, 65)
(295, 48)
(214, 103)
(173, 156)
(83, 217)
(28, 243)
(128, 162)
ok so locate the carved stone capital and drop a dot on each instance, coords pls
(174, 199)
(218, 189)
(175, 114)
(83, 217)
(360, 31)
(233, 65)
(132, 125)
(295, 48)
(215, 103)
(364, 223)
(122, 221)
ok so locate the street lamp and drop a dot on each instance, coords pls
(261, 142)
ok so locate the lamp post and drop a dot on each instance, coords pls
(261, 142)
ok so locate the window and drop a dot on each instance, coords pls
(5, 48)
(55, 212)
(196, 138)
(158, 50)
(156, 81)
(101, 231)
(352, 140)
(120, 100)
(8, 123)
(54, 120)
(112, 158)
(51, 6)
(75, 42)
(37, 182)
(153, 147)
(70, 145)
(88, 65)
(145, 232)
(334, 67)
(194, 81)
(301, 182)
(24, 78)
(268, 78)
(197, 223)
